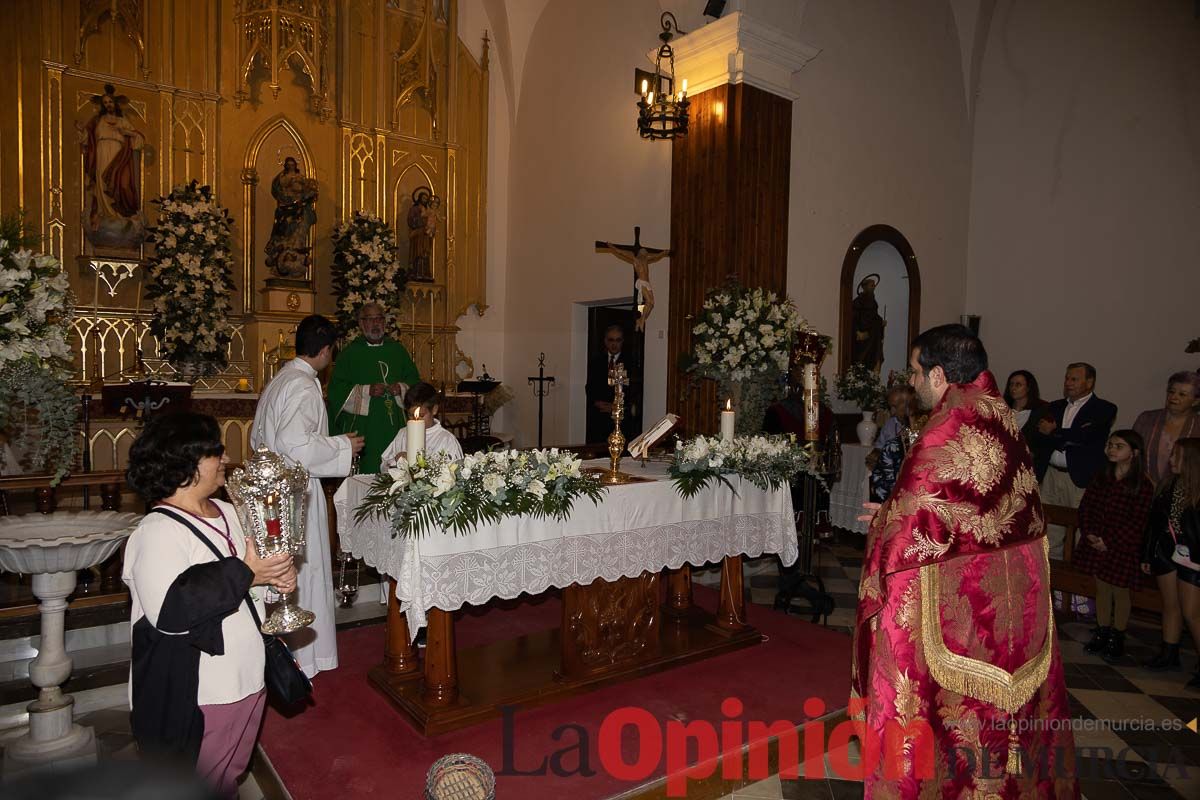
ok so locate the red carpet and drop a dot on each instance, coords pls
(352, 744)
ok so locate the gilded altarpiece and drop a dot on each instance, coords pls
(374, 99)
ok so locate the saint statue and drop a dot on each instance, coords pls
(641, 258)
(422, 227)
(295, 214)
(867, 347)
(112, 202)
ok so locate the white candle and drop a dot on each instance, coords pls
(727, 420)
(415, 436)
(812, 411)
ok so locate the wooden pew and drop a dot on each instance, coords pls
(1066, 578)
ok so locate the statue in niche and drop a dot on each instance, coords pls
(423, 220)
(867, 347)
(295, 213)
(111, 148)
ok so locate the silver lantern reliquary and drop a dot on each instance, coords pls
(270, 496)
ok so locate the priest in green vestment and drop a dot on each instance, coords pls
(366, 392)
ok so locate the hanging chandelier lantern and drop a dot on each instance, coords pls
(663, 110)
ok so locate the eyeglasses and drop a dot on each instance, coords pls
(371, 319)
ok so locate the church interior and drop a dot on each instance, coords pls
(542, 202)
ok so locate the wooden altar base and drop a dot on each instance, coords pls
(525, 672)
(614, 631)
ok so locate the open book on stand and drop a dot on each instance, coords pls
(640, 447)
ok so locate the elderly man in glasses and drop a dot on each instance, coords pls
(366, 392)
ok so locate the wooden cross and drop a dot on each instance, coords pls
(641, 258)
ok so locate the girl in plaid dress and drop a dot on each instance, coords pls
(1112, 519)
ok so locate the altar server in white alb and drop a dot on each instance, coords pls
(291, 421)
(437, 439)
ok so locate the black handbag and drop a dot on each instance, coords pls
(285, 681)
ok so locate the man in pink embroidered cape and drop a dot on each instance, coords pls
(956, 664)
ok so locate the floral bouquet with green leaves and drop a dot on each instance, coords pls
(743, 333)
(366, 268)
(743, 340)
(190, 280)
(38, 409)
(768, 462)
(861, 386)
(457, 496)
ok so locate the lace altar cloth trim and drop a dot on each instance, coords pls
(449, 582)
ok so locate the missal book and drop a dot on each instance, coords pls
(640, 447)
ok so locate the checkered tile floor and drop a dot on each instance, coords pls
(1129, 730)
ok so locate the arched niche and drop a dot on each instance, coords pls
(276, 140)
(412, 178)
(882, 251)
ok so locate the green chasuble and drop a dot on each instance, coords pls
(362, 364)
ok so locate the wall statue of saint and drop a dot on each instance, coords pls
(111, 148)
(867, 347)
(423, 220)
(295, 196)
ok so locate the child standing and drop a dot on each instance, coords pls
(437, 439)
(1112, 520)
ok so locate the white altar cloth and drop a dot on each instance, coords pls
(634, 528)
(846, 497)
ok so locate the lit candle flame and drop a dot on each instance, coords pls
(728, 404)
(645, 86)
(416, 413)
(650, 98)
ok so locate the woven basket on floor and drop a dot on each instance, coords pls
(460, 776)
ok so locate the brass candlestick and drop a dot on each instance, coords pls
(616, 440)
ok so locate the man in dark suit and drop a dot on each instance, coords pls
(1075, 430)
(600, 393)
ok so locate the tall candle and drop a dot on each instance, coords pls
(812, 410)
(415, 436)
(727, 420)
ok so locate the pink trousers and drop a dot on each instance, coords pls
(230, 731)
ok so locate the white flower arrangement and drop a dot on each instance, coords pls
(38, 410)
(743, 333)
(191, 281)
(861, 386)
(365, 268)
(768, 462)
(456, 496)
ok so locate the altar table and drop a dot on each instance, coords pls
(607, 558)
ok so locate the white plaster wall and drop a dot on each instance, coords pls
(880, 135)
(579, 173)
(1086, 193)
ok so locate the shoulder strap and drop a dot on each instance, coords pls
(182, 520)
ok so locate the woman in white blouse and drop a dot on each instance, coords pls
(196, 684)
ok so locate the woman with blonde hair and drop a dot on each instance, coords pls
(1171, 552)
(1160, 428)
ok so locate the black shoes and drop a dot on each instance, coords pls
(1099, 641)
(1167, 658)
(1115, 647)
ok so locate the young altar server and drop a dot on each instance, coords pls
(437, 439)
(291, 421)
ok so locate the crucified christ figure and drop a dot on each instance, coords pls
(641, 258)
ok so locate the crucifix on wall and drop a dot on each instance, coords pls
(641, 258)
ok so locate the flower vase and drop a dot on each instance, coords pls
(867, 429)
(751, 399)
